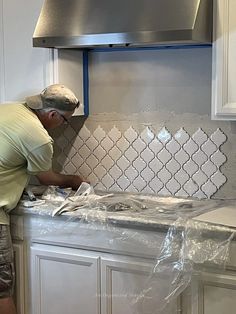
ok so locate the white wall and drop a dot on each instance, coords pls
(178, 80)
(24, 70)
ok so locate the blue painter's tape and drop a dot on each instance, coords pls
(163, 47)
(86, 82)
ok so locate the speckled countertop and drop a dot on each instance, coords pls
(136, 211)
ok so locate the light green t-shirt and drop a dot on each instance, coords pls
(25, 149)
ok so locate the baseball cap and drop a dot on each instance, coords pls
(56, 96)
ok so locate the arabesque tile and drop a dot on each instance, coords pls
(177, 164)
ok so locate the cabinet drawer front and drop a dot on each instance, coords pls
(94, 237)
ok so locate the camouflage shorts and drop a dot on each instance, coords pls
(7, 273)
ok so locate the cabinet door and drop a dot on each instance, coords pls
(19, 284)
(224, 62)
(213, 293)
(24, 70)
(122, 282)
(64, 280)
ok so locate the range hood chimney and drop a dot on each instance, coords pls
(106, 23)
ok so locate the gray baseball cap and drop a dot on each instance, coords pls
(54, 96)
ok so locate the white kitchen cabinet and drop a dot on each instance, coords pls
(212, 293)
(123, 281)
(219, 293)
(224, 61)
(19, 283)
(64, 280)
(24, 70)
(85, 282)
(86, 268)
(77, 268)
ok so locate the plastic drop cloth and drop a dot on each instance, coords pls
(187, 242)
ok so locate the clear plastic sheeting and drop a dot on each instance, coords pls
(185, 245)
(171, 234)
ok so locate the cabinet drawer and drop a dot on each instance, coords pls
(94, 237)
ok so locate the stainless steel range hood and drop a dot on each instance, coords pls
(94, 23)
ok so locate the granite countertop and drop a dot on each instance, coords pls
(140, 211)
(134, 220)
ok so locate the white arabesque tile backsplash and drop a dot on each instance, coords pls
(177, 164)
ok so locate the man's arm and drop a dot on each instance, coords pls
(63, 180)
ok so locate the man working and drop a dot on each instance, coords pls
(26, 149)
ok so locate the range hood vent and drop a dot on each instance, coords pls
(107, 23)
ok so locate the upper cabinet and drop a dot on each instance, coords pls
(224, 61)
(24, 70)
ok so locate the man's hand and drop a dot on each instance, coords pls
(75, 182)
(63, 180)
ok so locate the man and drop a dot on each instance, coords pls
(26, 149)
